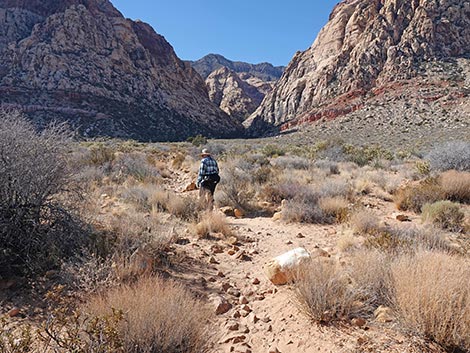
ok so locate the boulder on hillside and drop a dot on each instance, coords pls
(281, 269)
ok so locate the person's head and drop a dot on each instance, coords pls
(205, 153)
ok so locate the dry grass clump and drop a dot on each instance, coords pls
(159, 316)
(433, 297)
(414, 197)
(291, 162)
(210, 223)
(336, 208)
(324, 293)
(456, 185)
(365, 222)
(444, 214)
(152, 197)
(136, 165)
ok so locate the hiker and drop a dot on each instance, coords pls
(207, 178)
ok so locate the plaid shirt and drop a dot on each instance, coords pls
(208, 167)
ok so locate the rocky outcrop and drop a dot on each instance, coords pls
(237, 87)
(233, 95)
(369, 48)
(83, 62)
(212, 62)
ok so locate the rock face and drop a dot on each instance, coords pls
(233, 95)
(82, 61)
(237, 87)
(368, 48)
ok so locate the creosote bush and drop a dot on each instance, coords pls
(159, 316)
(36, 229)
(414, 197)
(445, 214)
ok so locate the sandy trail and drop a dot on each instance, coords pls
(274, 319)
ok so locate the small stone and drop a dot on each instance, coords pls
(232, 240)
(236, 315)
(220, 274)
(233, 291)
(182, 241)
(228, 211)
(383, 314)
(403, 218)
(231, 252)
(212, 260)
(289, 242)
(233, 326)
(243, 300)
(253, 318)
(300, 236)
(217, 249)
(14, 312)
(220, 304)
(256, 281)
(244, 329)
(359, 322)
(234, 339)
(273, 349)
(212, 279)
(238, 213)
(226, 286)
(246, 308)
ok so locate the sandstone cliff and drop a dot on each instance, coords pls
(82, 61)
(416, 49)
(232, 94)
(237, 87)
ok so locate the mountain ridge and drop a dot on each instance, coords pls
(83, 62)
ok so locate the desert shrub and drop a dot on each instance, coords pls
(414, 197)
(137, 166)
(159, 316)
(325, 294)
(336, 208)
(37, 226)
(236, 188)
(334, 187)
(370, 271)
(139, 195)
(451, 155)
(185, 208)
(408, 238)
(330, 167)
(444, 214)
(178, 160)
(273, 151)
(367, 155)
(288, 190)
(423, 168)
(100, 155)
(291, 162)
(299, 210)
(365, 222)
(264, 174)
(456, 186)
(432, 299)
(211, 222)
(197, 140)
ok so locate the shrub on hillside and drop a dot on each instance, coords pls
(159, 316)
(36, 229)
(432, 299)
(444, 214)
(414, 197)
(456, 185)
(451, 155)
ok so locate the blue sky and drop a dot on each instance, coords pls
(246, 30)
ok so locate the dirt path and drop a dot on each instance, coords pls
(265, 318)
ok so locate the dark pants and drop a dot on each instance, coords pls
(206, 193)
